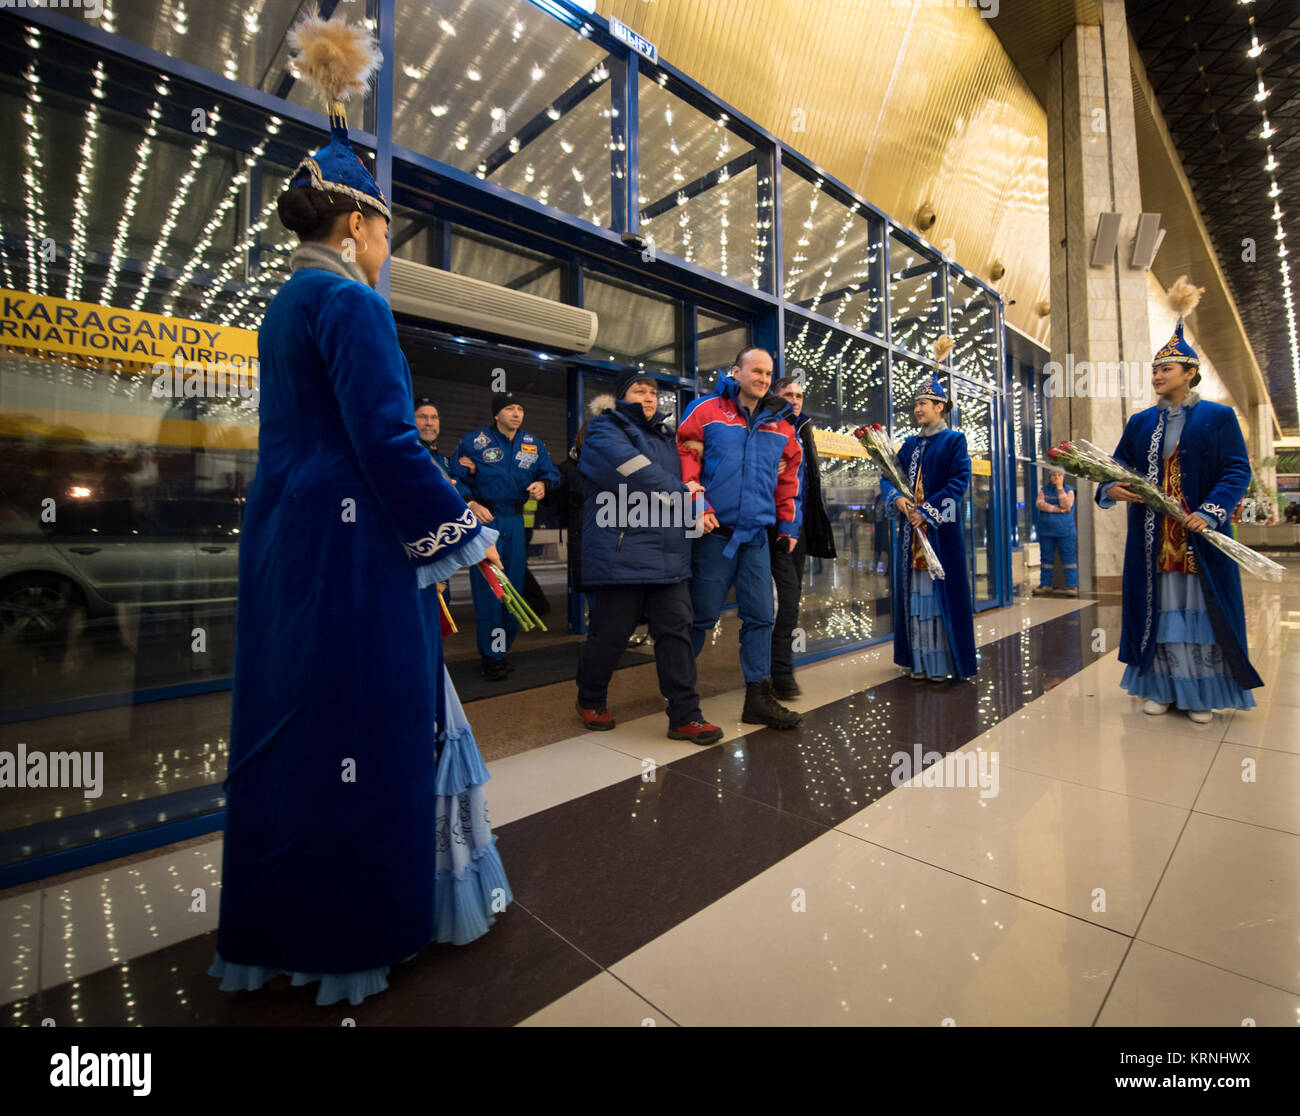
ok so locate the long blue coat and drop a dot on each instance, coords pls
(945, 473)
(329, 857)
(1215, 469)
(624, 450)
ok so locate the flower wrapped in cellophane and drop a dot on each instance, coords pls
(876, 442)
(504, 591)
(1082, 459)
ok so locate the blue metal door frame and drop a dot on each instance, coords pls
(999, 537)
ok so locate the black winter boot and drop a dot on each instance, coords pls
(762, 708)
(785, 687)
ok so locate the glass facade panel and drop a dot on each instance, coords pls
(246, 42)
(907, 377)
(497, 261)
(100, 603)
(844, 388)
(1022, 521)
(916, 296)
(594, 384)
(832, 255)
(173, 228)
(635, 327)
(500, 89)
(718, 340)
(974, 329)
(121, 490)
(974, 412)
(699, 188)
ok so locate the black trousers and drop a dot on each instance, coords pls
(616, 610)
(787, 572)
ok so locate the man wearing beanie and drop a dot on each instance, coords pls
(501, 467)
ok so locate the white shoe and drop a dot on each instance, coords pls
(1155, 708)
(1201, 716)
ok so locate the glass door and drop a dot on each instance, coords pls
(976, 417)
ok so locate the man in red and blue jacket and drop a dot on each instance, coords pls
(740, 444)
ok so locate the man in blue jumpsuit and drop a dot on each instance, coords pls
(1057, 533)
(501, 467)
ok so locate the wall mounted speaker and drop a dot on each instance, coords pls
(1103, 248)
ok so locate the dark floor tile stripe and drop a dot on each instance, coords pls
(515, 970)
(600, 876)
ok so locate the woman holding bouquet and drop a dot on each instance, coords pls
(934, 630)
(1183, 635)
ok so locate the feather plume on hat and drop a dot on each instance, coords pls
(335, 57)
(1183, 297)
(942, 347)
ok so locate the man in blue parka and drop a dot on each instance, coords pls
(501, 467)
(636, 555)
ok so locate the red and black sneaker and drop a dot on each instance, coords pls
(698, 732)
(597, 719)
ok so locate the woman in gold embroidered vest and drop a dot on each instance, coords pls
(1184, 629)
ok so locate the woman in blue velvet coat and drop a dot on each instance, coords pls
(934, 628)
(357, 829)
(1183, 632)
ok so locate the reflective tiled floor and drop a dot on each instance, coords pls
(1094, 866)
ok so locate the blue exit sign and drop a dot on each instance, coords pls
(625, 34)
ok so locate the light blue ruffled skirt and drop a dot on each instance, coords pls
(1188, 670)
(931, 654)
(470, 886)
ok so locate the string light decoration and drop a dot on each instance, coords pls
(4, 262)
(238, 256)
(278, 258)
(118, 252)
(77, 251)
(1271, 168)
(35, 199)
(210, 230)
(853, 280)
(975, 352)
(178, 203)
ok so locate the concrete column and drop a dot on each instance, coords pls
(1260, 445)
(1099, 314)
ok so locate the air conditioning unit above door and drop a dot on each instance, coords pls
(475, 306)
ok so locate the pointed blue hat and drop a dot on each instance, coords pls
(1182, 299)
(337, 58)
(1176, 350)
(337, 169)
(934, 389)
